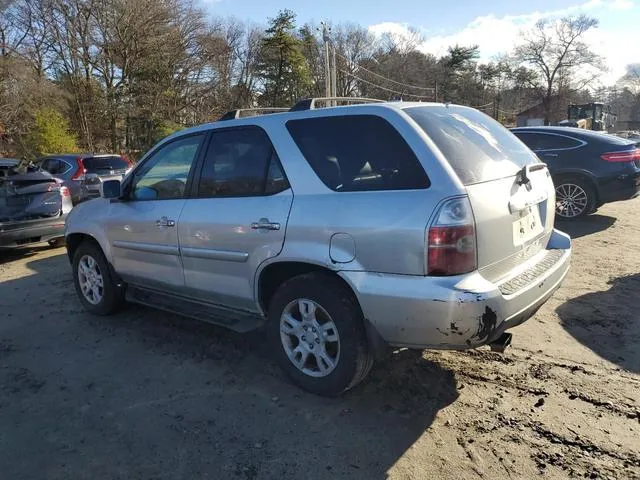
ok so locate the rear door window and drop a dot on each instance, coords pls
(241, 162)
(104, 164)
(478, 148)
(358, 153)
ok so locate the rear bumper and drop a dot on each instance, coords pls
(620, 187)
(17, 234)
(458, 312)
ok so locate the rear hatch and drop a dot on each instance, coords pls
(510, 190)
(104, 167)
(29, 196)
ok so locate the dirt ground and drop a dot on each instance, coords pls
(147, 395)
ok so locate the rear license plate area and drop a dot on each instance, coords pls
(528, 226)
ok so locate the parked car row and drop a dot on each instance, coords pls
(83, 174)
(344, 230)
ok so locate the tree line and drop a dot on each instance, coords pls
(118, 75)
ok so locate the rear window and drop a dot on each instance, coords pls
(101, 164)
(477, 147)
(358, 153)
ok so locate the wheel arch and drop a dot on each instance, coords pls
(582, 175)
(74, 240)
(272, 276)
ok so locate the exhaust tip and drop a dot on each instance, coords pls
(501, 343)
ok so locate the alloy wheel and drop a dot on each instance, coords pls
(90, 279)
(571, 200)
(310, 337)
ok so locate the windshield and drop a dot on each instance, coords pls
(478, 148)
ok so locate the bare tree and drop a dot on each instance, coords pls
(555, 50)
(631, 79)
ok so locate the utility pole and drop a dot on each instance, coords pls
(326, 37)
(334, 80)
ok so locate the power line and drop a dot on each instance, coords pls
(431, 89)
(482, 106)
(381, 88)
(508, 113)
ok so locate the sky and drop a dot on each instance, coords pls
(492, 24)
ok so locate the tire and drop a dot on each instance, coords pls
(351, 355)
(575, 198)
(109, 297)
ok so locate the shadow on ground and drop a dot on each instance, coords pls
(608, 322)
(11, 254)
(144, 394)
(585, 226)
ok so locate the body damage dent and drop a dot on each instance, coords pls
(487, 325)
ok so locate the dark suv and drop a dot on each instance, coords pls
(84, 173)
(588, 168)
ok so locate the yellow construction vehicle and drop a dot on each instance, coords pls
(590, 116)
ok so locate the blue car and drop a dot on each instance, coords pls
(588, 168)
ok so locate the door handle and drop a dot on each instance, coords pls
(549, 154)
(165, 222)
(265, 224)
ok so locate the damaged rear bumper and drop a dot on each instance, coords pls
(25, 232)
(462, 311)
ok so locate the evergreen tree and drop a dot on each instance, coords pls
(283, 68)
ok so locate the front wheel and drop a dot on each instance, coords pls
(98, 291)
(317, 333)
(575, 198)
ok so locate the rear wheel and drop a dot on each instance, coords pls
(575, 198)
(316, 330)
(98, 291)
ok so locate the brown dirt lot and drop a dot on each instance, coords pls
(147, 395)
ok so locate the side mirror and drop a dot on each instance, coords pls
(111, 189)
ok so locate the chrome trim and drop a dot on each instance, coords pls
(147, 247)
(582, 142)
(70, 167)
(210, 254)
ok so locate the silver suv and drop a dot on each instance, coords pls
(344, 229)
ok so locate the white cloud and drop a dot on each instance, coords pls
(497, 35)
(399, 29)
(622, 4)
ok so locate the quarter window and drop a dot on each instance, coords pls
(358, 153)
(555, 142)
(543, 141)
(54, 166)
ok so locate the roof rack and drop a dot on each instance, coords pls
(310, 103)
(251, 112)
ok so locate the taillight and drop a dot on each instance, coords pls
(80, 172)
(451, 240)
(65, 192)
(624, 156)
